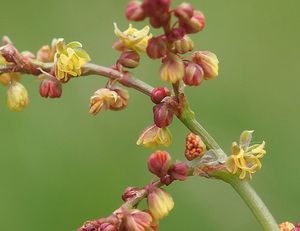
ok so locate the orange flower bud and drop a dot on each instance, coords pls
(122, 99)
(286, 226)
(102, 100)
(194, 147)
(7, 78)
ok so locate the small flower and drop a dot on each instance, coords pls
(154, 136)
(157, 47)
(160, 203)
(172, 69)
(69, 59)
(163, 115)
(156, 8)
(179, 171)
(134, 39)
(122, 99)
(130, 193)
(102, 100)
(134, 11)
(193, 74)
(50, 88)
(194, 24)
(46, 53)
(17, 97)
(136, 220)
(208, 61)
(194, 147)
(184, 11)
(183, 45)
(286, 226)
(176, 34)
(159, 163)
(129, 59)
(159, 93)
(245, 159)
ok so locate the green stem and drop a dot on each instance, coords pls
(242, 187)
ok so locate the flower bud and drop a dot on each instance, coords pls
(156, 7)
(118, 45)
(163, 115)
(121, 101)
(45, 54)
(7, 78)
(129, 59)
(209, 63)
(194, 24)
(136, 220)
(194, 147)
(154, 136)
(193, 74)
(286, 226)
(159, 163)
(172, 69)
(50, 88)
(176, 34)
(17, 97)
(107, 227)
(160, 21)
(134, 11)
(160, 203)
(157, 47)
(184, 45)
(179, 171)
(130, 193)
(159, 93)
(102, 100)
(184, 11)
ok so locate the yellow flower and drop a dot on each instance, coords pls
(69, 59)
(102, 100)
(7, 78)
(245, 159)
(154, 136)
(133, 38)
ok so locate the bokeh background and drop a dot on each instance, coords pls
(59, 166)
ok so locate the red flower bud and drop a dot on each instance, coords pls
(184, 11)
(194, 24)
(159, 93)
(159, 163)
(176, 34)
(129, 59)
(50, 88)
(163, 115)
(130, 192)
(179, 171)
(194, 147)
(156, 7)
(193, 74)
(157, 47)
(134, 11)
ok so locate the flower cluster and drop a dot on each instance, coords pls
(288, 226)
(245, 159)
(175, 41)
(194, 147)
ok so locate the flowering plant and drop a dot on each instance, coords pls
(60, 62)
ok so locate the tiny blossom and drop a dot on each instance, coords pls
(183, 45)
(194, 147)
(129, 59)
(102, 100)
(160, 203)
(154, 136)
(7, 78)
(136, 220)
(159, 163)
(69, 59)
(245, 159)
(17, 97)
(208, 61)
(286, 226)
(134, 39)
(172, 69)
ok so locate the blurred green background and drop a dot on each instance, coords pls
(59, 166)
